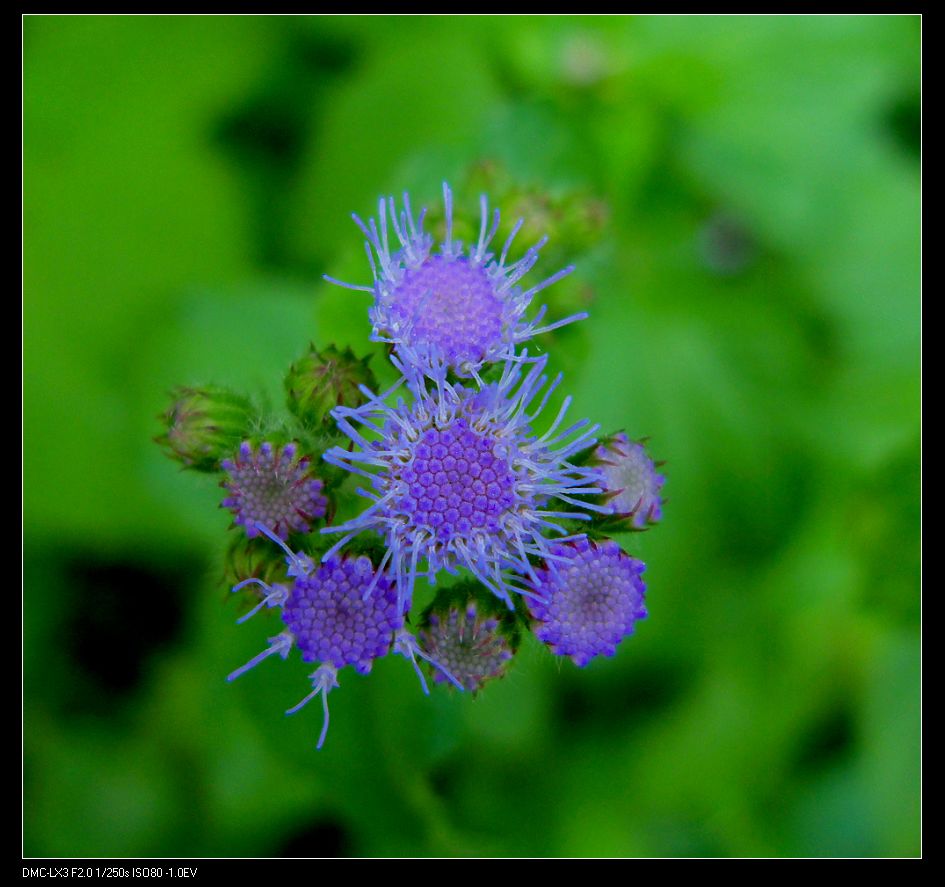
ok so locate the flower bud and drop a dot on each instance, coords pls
(273, 486)
(255, 558)
(631, 484)
(252, 558)
(319, 381)
(203, 424)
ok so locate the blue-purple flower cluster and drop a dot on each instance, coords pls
(461, 469)
(454, 307)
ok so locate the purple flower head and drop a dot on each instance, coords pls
(460, 480)
(333, 622)
(339, 612)
(591, 596)
(630, 478)
(470, 643)
(274, 487)
(460, 308)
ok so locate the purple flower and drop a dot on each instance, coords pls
(457, 307)
(470, 644)
(274, 487)
(333, 620)
(630, 478)
(590, 597)
(460, 480)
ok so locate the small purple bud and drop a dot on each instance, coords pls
(272, 486)
(631, 482)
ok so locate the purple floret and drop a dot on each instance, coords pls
(592, 596)
(453, 303)
(338, 613)
(455, 482)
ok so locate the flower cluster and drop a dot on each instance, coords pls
(459, 479)
(462, 469)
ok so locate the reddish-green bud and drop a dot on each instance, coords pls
(319, 381)
(203, 424)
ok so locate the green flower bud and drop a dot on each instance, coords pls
(203, 424)
(573, 219)
(322, 380)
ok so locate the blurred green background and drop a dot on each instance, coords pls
(751, 266)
